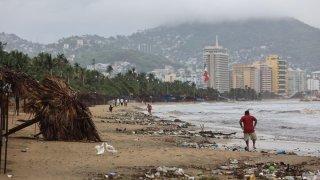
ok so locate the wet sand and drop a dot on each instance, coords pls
(30, 158)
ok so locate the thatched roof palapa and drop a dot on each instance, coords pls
(55, 106)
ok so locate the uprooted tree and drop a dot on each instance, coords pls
(55, 106)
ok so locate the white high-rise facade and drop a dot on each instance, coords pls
(265, 76)
(216, 59)
(296, 81)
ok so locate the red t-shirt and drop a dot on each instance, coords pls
(248, 123)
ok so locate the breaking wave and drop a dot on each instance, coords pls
(288, 111)
(261, 111)
(279, 112)
(303, 111)
(285, 127)
(310, 111)
(175, 112)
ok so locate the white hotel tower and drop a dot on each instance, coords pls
(216, 59)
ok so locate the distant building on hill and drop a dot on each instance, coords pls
(170, 77)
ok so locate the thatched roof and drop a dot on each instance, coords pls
(55, 105)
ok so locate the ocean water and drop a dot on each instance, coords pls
(290, 121)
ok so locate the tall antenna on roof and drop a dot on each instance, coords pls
(217, 43)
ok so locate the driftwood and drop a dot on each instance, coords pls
(212, 134)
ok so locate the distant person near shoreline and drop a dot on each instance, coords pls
(149, 108)
(110, 108)
(248, 124)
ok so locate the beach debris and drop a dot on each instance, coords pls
(111, 175)
(177, 120)
(183, 125)
(214, 134)
(166, 172)
(233, 164)
(121, 130)
(105, 147)
(198, 145)
(268, 170)
(10, 175)
(101, 176)
(281, 152)
(311, 175)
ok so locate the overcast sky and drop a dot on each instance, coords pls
(46, 21)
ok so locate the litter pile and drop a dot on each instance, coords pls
(137, 118)
(102, 176)
(164, 172)
(158, 126)
(269, 170)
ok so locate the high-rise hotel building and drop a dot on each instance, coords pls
(216, 59)
(296, 81)
(245, 76)
(265, 76)
(279, 74)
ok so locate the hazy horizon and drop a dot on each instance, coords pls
(47, 21)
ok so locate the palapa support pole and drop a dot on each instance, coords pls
(4, 112)
(7, 139)
(1, 120)
(17, 102)
(21, 126)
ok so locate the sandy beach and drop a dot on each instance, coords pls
(140, 151)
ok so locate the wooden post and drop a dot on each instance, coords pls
(5, 88)
(7, 139)
(1, 119)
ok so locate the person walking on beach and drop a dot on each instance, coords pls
(248, 124)
(110, 108)
(149, 108)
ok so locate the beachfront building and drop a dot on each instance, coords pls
(265, 76)
(216, 59)
(279, 74)
(313, 85)
(170, 77)
(296, 81)
(245, 76)
(316, 75)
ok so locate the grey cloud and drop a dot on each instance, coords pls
(49, 20)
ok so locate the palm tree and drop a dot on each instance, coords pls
(19, 60)
(69, 73)
(48, 62)
(60, 62)
(109, 69)
(82, 75)
(76, 69)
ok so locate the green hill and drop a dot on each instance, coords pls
(142, 61)
(246, 40)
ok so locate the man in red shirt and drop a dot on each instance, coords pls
(248, 124)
